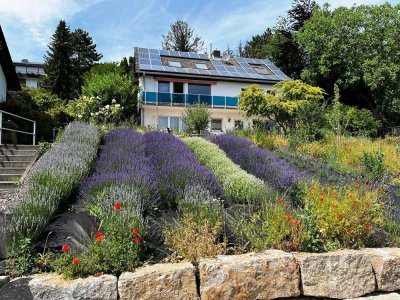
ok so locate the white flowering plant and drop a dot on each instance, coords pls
(91, 109)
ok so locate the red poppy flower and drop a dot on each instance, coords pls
(322, 194)
(379, 190)
(98, 233)
(279, 201)
(75, 261)
(117, 206)
(136, 240)
(321, 199)
(347, 231)
(368, 226)
(99, 238)
(65, 248)
(288, 218)
(341, 216)
(296, 223)
(135, 231)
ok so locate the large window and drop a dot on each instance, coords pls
(163, 87)
(199, 89)
(162, 122)
(173, 123)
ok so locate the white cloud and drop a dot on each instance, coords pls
(38, 16)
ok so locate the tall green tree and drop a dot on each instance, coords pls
(351, 48)
(278, 43)
(181, 37)
(58, 63)
(84, 55)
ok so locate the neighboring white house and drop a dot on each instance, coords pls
(171, 80)
(8, 77)
(29, 73)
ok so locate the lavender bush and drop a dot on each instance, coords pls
(176, 167)
(266, 165)
(52, 180)
(122, 163)
(118, 193)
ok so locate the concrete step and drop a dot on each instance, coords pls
(10, 177)
(8, 185)
(17, 171)
(14, 164)
(28, 158)
(17, 152)
(19, 147)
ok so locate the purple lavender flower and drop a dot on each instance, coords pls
(264, 164)
(176, 167)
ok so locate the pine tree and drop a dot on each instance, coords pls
(84, 56)
(58, 65)
(181, 38)
(124, 66)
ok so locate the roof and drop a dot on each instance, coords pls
(154, 61)
(28, 64)
(7, 65)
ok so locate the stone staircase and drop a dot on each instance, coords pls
(14, 160)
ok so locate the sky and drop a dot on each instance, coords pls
(117, 26)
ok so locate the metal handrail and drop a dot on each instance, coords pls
(33, 133)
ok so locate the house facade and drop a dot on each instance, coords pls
(8, 77)
(172, 80)
(29, 73)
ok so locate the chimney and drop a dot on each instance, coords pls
(216, 54)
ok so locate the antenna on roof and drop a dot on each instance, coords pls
(226, 57)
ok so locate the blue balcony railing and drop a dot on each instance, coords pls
(174, 99)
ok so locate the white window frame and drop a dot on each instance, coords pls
(201, 64)
(171, 62)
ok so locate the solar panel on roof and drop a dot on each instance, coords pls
(150, 59)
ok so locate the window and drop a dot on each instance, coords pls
(175, 64)
(162, 122)
(216, 124)
(201, 66)
(261, 69)
(174, 123)
(163, 87)
(199, 89)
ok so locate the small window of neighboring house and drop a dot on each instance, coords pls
(201, 66)
(175, 64)
(216, 124)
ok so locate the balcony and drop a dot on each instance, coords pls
(173, 99)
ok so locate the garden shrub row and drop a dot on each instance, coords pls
(264, 164)
(51, 181)
(176, 167)
(119, 192)
(238, 185)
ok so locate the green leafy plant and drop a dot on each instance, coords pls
(196, 117)
(373, 165)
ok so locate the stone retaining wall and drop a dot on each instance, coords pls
(272, 274)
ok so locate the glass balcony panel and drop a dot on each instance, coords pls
(178, 99)
(205, 99)
(151, 97)
(219, 101)
(192, 99)
(164, 98)
(231, 101)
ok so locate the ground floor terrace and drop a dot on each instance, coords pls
(163, 116)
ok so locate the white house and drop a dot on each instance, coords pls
(8, 77)
(29, 73)
(171, 80)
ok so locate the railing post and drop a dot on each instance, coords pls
(1, 127)
(171, 97)
(212, 101)
(198, 99)
(225, 102)
(34, 132)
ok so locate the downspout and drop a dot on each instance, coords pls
(144, 93)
